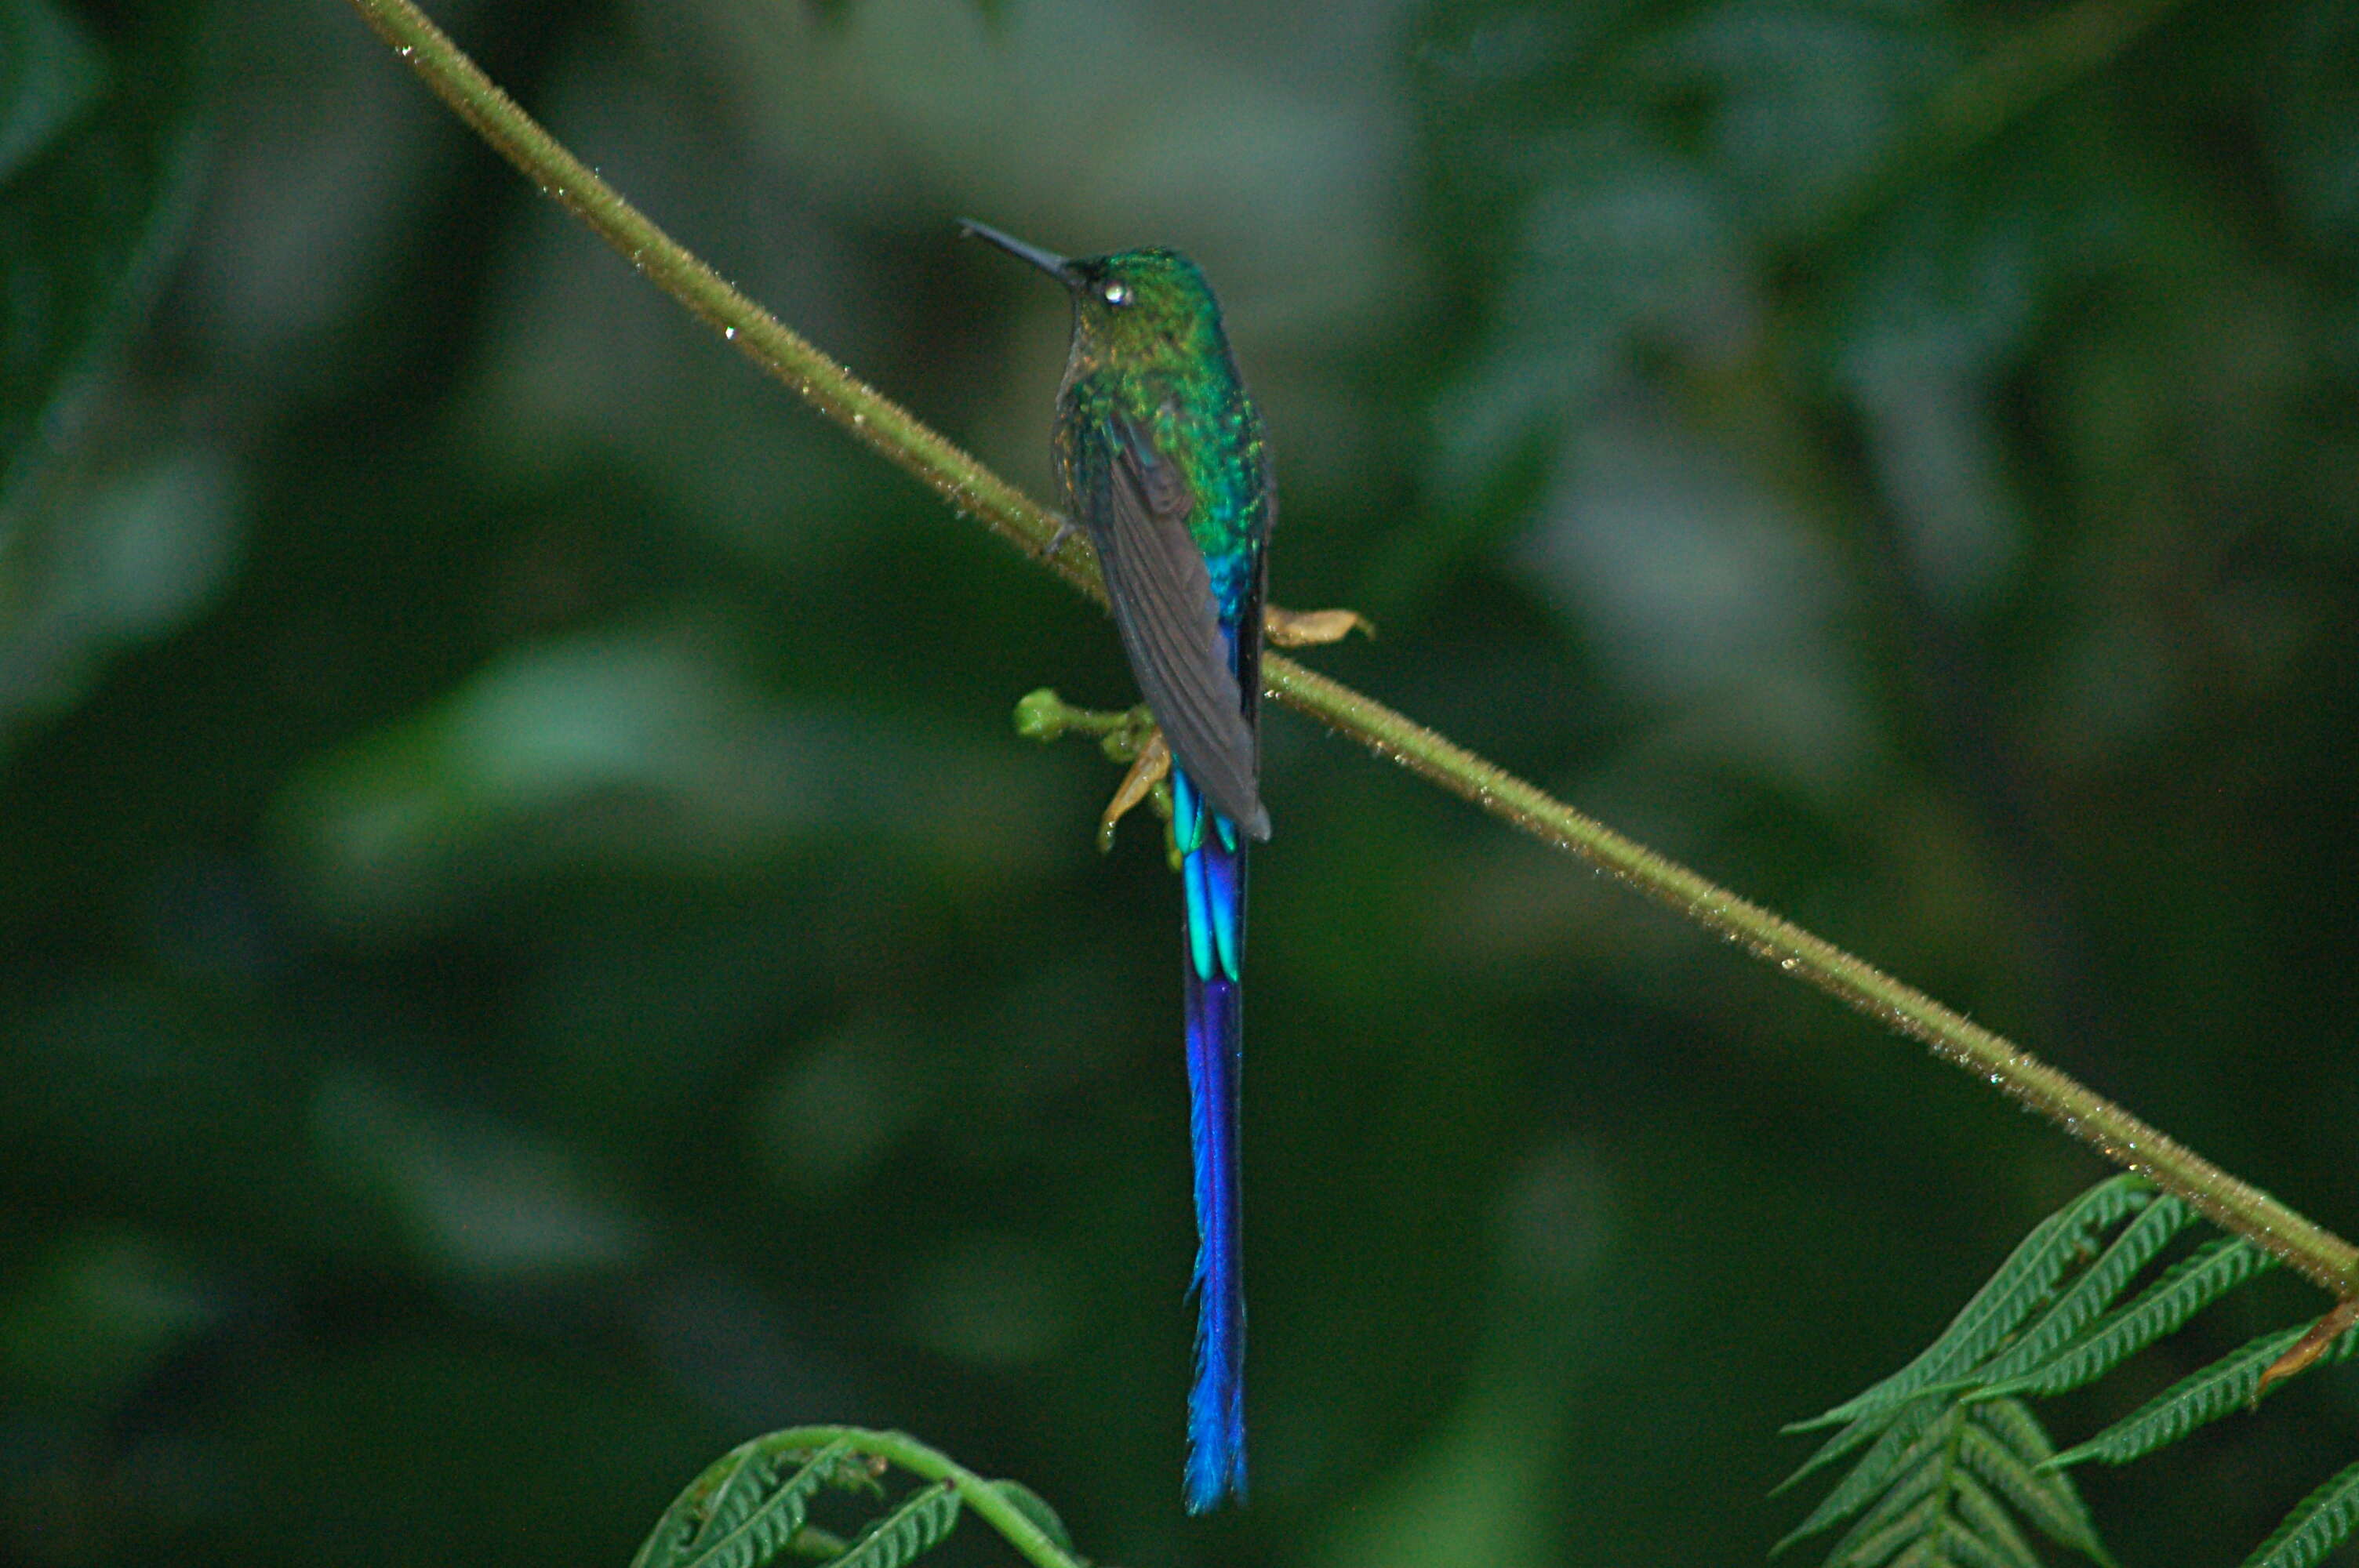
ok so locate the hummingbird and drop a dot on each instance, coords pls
(1162, 460)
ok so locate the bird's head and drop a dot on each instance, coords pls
(1131, 304)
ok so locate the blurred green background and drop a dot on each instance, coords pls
(529, 953)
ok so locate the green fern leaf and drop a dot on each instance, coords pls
(666, 1540)
(1918, 1432)
(2049, 1501)
(676, 1524)
(2318, 1524)
(739, 1514)
(748, 1477)
(1987, 1523)
(1999, 1308)
(1035, 1507)
(2011, 1422)
(2185, 1289)
(907, 1531)
(1963, 1548)
(2095, 1290)
(2200, 1398)
(699, 1504)
(1865, 1430)
(1874, 1539)
(1900, 1516)
(744, 1477)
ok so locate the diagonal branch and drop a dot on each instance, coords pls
(895, 435)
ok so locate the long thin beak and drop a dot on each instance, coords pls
(1049, 261)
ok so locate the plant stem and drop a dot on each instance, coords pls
(895, 435)
(867, 414)
(2120, 1136)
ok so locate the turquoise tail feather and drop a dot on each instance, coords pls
(1213, 871)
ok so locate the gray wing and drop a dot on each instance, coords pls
(1170, 628)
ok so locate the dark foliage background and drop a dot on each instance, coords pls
(531, 953)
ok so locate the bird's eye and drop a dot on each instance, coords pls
(1114, 291)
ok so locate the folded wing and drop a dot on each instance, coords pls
(1170, 622)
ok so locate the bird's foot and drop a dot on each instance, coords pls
(1149, 778)
(1066, 529)
(1129, 736)
(1309, 628)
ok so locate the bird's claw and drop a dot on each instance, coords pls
(1066, 529)
(1309, 628)
(1128, 736)
(1148, 776)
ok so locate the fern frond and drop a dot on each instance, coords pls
(2048, 1500)
(1985, 1520)
(1864, 1430)
(1921, 1554)
(2011, 1295)
(693, 1508)
(1964, 1548)
(1943, 1475)
(1883, 1531)
(738, 1514)
(1915, 1434)
(2197, 1400)
(2185, 1289)
(739, 1483)
(914, 1528)
(750, 1506)
(751, 1489)
(2318, 1524)
(2011, 1422)
(1035, 1507)
(1950, 1465)
(2093, 1292)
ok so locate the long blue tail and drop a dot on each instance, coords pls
(1214, 869)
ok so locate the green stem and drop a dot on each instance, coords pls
(985, 1500)
(868, 414)
(896, 436)
(2087, 1115)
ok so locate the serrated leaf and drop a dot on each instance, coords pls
(2048, 1500)
(1864, 1430)
(745, 1477)
(2062, 1515)
(2089, 1295)
(738, 1513)
(1035, 1507)
(1917, 1526)
(1963, 1548)
(1913, 1436)
(2010, 1296)
(907, 1531)
(2185, 1289)
(2318, 1524)
(1900, 1516)
(2011, 1422)
(1987, 1522)
(2200, 1398)
(680, 1520)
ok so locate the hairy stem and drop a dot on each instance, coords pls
(893, 433)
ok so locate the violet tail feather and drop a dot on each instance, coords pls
(1213, 871)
